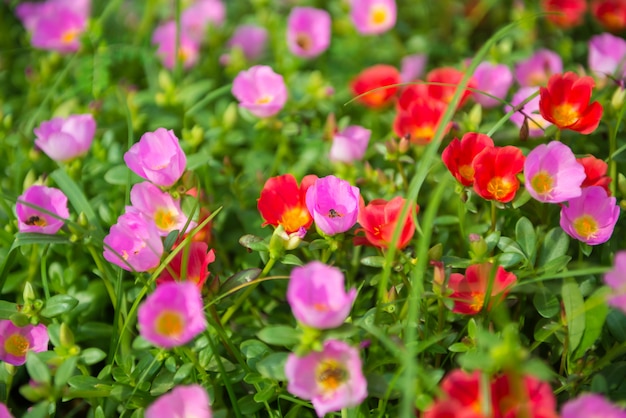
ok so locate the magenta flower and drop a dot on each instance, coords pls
(333, 203)
(538, 123)
(160, 207)
(317, 295)
(331, 379)
(591, 217)
(15, 341)
(260, 90)
(196, 18)
(63, 139)
(412, 67)
(182, 401)
(308, 31)
(164, 37)
(32, 218)
(552, 174)
(157, 157)
(607, 55)
(591, 405)
(172, 315)
(616, 280)
(372, 17)
(536, 70)
(350, 144)
(250, 39)
(494, 79)
(4, 411)
(133, 242)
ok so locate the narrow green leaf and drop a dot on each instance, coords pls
(29, 238)
(7, 309)
(521, 199)
(373, 261)
(291, 259)
(75, 196)
(239, 279)
(265, 394)
(65, 371)
(507, 245)
(616, 323)
(38, 411)
(574, 312)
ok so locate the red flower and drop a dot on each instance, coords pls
(495, 172)
(197, 264)
(459, 155)
(610, 13)
(447, 75)
(373, 78)
(461, 397)
(565, 103)
(419, 121)
(538, 399)
(379, 219)
(566, 13)
(282, 202)
(469, 291)
(595, 170)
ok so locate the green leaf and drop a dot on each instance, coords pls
(254, 243)
(266, 393)
(545, 329)
(65, 371)
(183, 372)
(57, 305)
(596, 311)
(546, 303)
(526, 237)
(248, 406)
(318, 244)
(446, 220)
(239, 279)
(459, 348)
(510, 259)
(521, 199)
(37, 369)
(273, 366)
(23, 238)
(75, 196)
(7, 309)
(254, 350)
(38, 411)
(118, 175)
(555, 265)
(616, 322)
(574, 312)
(555, 244)
(291, 259)
(373, 261)
(507, 245)
(279, 335)
(92, 355)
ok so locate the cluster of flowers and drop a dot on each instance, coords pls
(611, 14)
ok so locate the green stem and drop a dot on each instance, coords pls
(612, 161)
(225, 378)
(44, 272)
(494, 216)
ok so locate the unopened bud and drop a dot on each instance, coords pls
(478, 247)
(617, 101)
(66, 336)
(29, 293)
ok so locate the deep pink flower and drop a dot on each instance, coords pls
(251, 39)
(63, 139)
(494, 79)
(172, 315)
(133, 242)
(260, 90)
(332, 379)
(372, 17)
(616, 280)
(317, 295)
(195, 19)
(4, 411)
(591, 217)
(164, 37)
(536, 70)
(160, 207)
(536, 123)
(182, 401)
(350, 144)
(552, 174)
(591, 405)
(157, 157)
(32, 219)
(470, 290)
(412, 67)
(334, 204)
(607, 55)
(308, 31)
(15, 341)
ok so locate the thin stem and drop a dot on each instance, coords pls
(494, 216)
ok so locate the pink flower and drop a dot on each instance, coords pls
(4, 411)
(616, 280)
(607, 55)
(15, 341)
(536, 70)
(250, 39)
(63, 139)
(536, 123)
(332, 379)
(260, 90)
(494, 79)
(412, 67)
(372, 17)
(157, 157)
(32, 219)
(334, 204)
(591, 405)
(172, 315)
(165, 37)
(552, 174)
(196, 18)
(317, 296)
(350, 144)
(308, 31)
(182, 401)
(133, 242)
(159, 207)
(591, 217)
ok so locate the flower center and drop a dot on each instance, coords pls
(165, 219)
(332, 213)
(16, 345)
(170, 324)
(294, 218)
(422, 134)
(565, 115)
(330, 375)
(304, 41)
(586, 226)
(320, 307)
(378, 15)
(467, 172)
(478, 300)
(263, 99)
(542, 183)
(69, 36)
(499, 188)
(36, 220)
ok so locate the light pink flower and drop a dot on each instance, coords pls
(196, 18)
(591, 217)
(372, 17)
(350, 144)
(172, 315)
(182, 401)
(133, 243)
(552, 174)
(538, 123)
(494, 79)
(4, 411)
(160, 207)
(260, 90)
(333, 203)
(15, 341)
(308, 31)
(157, 157)
(317, 295)
(33, 219)
(331, 379)
(591, 405)
(412, 67)
(607, 55)
(164, 37)
(251, 39)
(63, 139)
(536, 70)
(616, 280)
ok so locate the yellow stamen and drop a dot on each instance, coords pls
(542, 183)
(467, 172)
(165, 219)
(304, 41)
(69, 36)
(586, 226)
(422, 134)
(263, 99)
(565, 115)
(170, 324)
(499, 187)
(16, 345)
(330, 375)
(478, 300)
(36, 220)
(378, 15)
(295, 218)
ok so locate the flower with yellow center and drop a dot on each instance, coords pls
(379, 15)
(330, 375)
(165, 218)
(586, 226)
(565, 115)
(294, 218)
(170, 324)
(542, 183)
(500, 187)
(16, 345)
